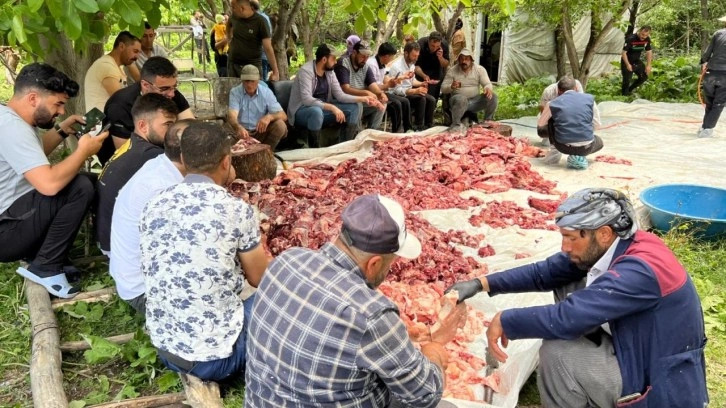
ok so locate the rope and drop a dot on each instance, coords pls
(698, 89)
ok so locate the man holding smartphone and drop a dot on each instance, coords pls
(42, 206)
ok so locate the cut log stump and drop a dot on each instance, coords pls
(504, 130)
(201, 394)
(254, 163)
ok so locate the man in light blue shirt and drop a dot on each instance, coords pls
(254, 111)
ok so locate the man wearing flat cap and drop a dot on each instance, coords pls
(627, 325)
(254, 110)
(322, 335)
(470, 88)
(713, 69)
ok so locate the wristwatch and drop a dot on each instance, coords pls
(60, 131)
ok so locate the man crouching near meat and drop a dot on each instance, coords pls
(627, 325)
(322, 335)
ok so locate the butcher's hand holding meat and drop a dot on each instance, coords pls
(468, 288)
(495, 334)
(445, 329)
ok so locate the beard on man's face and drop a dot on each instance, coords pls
(43, 118)
(592, 254)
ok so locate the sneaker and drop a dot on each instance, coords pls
(706, 133)
(577, 162)
(553, 156)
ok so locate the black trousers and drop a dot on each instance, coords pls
(638, 70)
(399, 110)
(43, 228)
(714, 94)
(423, 107)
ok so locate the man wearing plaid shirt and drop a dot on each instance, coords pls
(321, 335)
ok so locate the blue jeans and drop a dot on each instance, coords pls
(315, 118)
(266, 68)
(217, 370)
(714, 94)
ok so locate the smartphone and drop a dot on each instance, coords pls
(93, 118)
(105, 128)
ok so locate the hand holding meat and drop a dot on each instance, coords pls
(447, 327)
(466, 289)
(495, 333)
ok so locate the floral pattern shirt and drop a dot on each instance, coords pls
(191, 234)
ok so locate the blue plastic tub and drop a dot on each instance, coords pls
(703, 208)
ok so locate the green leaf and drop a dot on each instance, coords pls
(101, 349)
(382, 15)
(19, 29)
(95, 314)
(105, 5)
(97, 285)
(77, 404)
(167, 381)
(351, 8)
(360, 24)
(56, 8)
(86, 6)
(35, 5)
(369, 15)
(72, 26)
(466, 3)
(153, 16)
(508, 7)
(129, 11)
(127, 391)
(358, 4)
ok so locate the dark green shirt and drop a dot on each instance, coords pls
(247, 37)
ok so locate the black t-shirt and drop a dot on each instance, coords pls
(428, 61)
(634, 46)
(118, 113)
(247, 36)
(122, 166)
(321, 89)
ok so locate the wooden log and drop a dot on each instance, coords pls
(221, 88)
(201, 394)
(256, 162)
(46, 376)
(104, 294)
(152, 401)
(83, 345)
(504, 130)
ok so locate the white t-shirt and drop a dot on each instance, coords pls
(600, 268)
(21, 149)
(95, 93)
(153, 177)
(399, 66)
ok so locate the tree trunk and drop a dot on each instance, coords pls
(452, 22)
(387, 28)
(438, 24)
(597, 33)
(572, 57)
(704, 28)
(65, 59)
(399, 27)
(633, 17)
(286, 17)
(304, 27)
(560, 49)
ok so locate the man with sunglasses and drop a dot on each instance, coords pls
(158, 75)
(627, 323)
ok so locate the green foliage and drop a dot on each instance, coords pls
(520, 99)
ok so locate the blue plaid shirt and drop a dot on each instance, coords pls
(320, 337)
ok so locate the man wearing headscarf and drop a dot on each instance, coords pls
(458, 40)
(627, 324)
(350, 42)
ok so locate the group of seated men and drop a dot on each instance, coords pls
(316, 331)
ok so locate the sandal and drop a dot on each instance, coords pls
(56, 285)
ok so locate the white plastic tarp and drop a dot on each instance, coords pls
(529, 50)
(659, 139)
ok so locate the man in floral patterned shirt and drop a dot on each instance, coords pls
(194, 236)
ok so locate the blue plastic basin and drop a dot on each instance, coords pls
(701, 207)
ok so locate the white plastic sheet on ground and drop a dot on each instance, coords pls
(659, 139)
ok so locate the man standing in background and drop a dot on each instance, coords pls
(247, 34)
(432, 62)
(198, 27)
(713, 69)
(266, 67)
(630, 62)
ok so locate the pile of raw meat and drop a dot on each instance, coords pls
(302, 207)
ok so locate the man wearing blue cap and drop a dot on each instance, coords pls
(627, 324)
(322, 335)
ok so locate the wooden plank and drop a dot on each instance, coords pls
(201, 394)
(144, 402)
(93, 296)
(46, 376)
(83, 345)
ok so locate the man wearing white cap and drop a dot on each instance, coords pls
(713, 69)
(470, 88)
(254, 111)
(322, 335)
(627, 325)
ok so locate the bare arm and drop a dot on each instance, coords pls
(254, 263)
(134, 72)
(111, 84)
(267, 45)
(50, 179)
(356, 92)
(420, 73)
